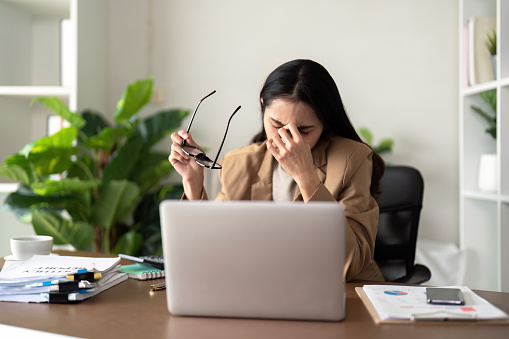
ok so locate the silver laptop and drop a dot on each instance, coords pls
(254, 259)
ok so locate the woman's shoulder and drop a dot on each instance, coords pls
(341, 145)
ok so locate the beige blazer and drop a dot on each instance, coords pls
(344, 167)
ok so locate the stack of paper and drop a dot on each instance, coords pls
(48, 278)
(408, 303)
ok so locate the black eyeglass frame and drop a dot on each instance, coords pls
(199, 156)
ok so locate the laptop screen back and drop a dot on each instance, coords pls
(254, 259)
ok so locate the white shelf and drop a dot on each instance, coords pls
(472, 194)
(484, 217)
(32, 91)
(476, 89)
(480, 195)
(46, 8)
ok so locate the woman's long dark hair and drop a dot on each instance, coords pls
(309, 82)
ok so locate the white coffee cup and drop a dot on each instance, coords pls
(23, 248)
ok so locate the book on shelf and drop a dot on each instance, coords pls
(478, 57)
(61, 279)
(142, 272)
(466, 60)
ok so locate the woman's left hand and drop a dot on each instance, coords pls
(295, 157)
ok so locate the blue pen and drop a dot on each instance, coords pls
(44, 283)
(80, 271)
(56, 282)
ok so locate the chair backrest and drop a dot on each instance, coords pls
(400, 208)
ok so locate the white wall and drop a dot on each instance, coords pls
(10, 227)
(394, 61)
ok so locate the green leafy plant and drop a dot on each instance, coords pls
(490, 116)
(384, 146)
(96, 185)
(491, 43)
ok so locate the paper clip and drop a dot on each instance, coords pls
(158, 287)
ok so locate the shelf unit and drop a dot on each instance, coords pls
(31, 59)
(484, 216)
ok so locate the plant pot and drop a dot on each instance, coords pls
(494, 66)
(488, 173)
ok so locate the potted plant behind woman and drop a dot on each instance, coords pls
(94, 185)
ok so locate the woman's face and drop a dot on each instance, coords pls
(282, 112)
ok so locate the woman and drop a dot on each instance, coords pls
(307, 150)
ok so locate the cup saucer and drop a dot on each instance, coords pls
(11, 257)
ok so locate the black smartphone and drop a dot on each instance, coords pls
(444, 296)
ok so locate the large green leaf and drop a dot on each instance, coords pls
(384, 146)
(95, 123)
(134, 98)
(50, 155)
(64, 186)
(78, 234)
(150, 168)
(62, 139)
(107, 139)
(15, 173)
(117, 200)
(490, 97)
(24, 202)
(52, 160)
(146, 217)
(157, 126)
(490, 118)
(366, 135)
(18, 168)
(129, 243)
(123, 161)
(82, 168)
(57, 106)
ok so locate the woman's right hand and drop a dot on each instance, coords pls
(186, 166)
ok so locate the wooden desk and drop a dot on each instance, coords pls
(130, 310)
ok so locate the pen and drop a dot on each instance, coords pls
(45, 283)
(158, 287)
(89, 276)
(58, 281)
(153, 263)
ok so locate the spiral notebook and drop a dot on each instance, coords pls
(142, 272)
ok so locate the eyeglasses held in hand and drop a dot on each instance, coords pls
(199, 156)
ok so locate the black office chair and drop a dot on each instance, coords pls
(400, 208)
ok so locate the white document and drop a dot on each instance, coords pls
(48, 267)
(15, 276)
(409, 303)
(20, 332)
